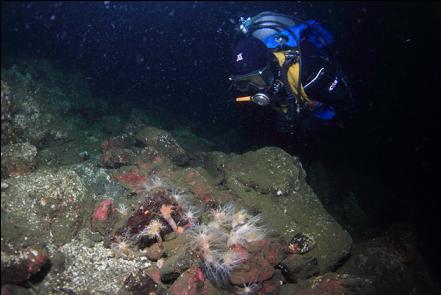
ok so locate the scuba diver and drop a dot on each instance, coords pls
(286, 63)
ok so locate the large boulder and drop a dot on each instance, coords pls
(273, 182)
(44, 207)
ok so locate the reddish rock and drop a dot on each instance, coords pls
(241, 251)
(276, 252)
(269, 288)
(154, 273)
(131, 178)
(255, 269)
(258, 246)
(273, 286)
(18, 266)
(191, 282)
(199, 185)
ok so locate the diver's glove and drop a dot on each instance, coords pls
(323, 111)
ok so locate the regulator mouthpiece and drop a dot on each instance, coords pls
(261, 99)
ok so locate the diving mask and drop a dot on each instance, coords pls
(261, 79)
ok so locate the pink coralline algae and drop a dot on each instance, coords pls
(103, 209)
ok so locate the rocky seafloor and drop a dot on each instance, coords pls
(93, 202)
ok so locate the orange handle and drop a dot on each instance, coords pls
(243, 98)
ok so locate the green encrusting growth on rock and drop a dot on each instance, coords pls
(86, 184)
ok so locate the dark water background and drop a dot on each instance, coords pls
(177, 55)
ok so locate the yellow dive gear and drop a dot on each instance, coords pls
(293, 76)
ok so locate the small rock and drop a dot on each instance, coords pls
(18, 266)
(115, 158)
(84, 155)
(191, 282)
(172, 246)
(176, 264)
(5, 186)
(154, 273)
(300, 267)
(141, 283)
(155, 252)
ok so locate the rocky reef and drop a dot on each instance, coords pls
(95, 202)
